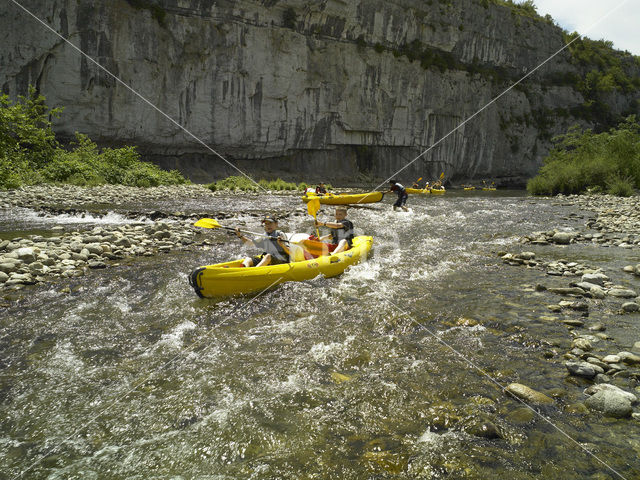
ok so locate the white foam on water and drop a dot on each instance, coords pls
(64, 361)
(30, 216)
(322, 351)
(174, 337)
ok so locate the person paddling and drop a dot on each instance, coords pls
(402, 195)
(321, 189)
(275, 252)
(341, 230)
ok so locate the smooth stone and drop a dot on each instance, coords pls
(3, 277)
(583, 369)
(597, 292)
(629, 358)
(582, 344)
(610, 403)
(527, 394)
(573, 322)
(9, 267)
(611, 359)
(26, 254)
(579, 306)
(595, 278)
(629, 269)
(593, 389)
(97, 264)
(621, 293)
(636, 346)
(562, 238)
(630, 307)
(526, 255)
(597, 327)
(598, 362)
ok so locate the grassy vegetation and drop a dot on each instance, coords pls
(584, 161)
(243, 184)
(30, 153)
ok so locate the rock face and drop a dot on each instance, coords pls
(294, 88)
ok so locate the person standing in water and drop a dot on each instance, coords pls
(394, 186)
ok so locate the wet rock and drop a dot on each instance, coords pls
(611, 359)
(562, 238)
(595, 278)
(484, 429)
(630, 307)
(582, 343)
(621, 293)
(3, 277)
(9, 267)
(598, 362)
(597, 292)
(96, 265)
(610, 403)
(597, 327)
(629, 358)
(26, 254)
(527, 394)
(583, 369)
(573, 322)
(579, 306)
(593, 389)
(521, 416)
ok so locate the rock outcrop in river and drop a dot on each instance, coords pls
(327, 88)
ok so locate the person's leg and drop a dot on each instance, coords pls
(342, 246)
(266, 260)
(247, 262)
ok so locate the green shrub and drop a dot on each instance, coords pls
(582, 161)
(245, 184)
(30, 153)
(621, 187)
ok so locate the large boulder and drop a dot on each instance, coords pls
(611, 403)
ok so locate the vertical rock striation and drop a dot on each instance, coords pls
(330, 88)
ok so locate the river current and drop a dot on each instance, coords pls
(393, 370)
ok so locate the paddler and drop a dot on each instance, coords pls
(272, 243)
(341, 230)
(394, 186)
(321, 189)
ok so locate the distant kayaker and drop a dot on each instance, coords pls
(321, 189)
(341, 230)
(394, 186)
(275, 251)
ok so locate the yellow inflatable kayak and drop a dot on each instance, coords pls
(489, 189)
(437, 191)
(418, 191)
(225, 279)
(331, 199)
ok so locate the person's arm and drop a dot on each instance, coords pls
(246, 240)
(330, 224)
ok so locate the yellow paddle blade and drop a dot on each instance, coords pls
(207, 223)
(441, 175)
(313, 206)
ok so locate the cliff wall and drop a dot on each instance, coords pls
(343, 90)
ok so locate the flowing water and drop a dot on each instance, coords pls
(393, 370)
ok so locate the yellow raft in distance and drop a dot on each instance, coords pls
(226, 279)
(437, 191)
(418, 191)
(331, 199)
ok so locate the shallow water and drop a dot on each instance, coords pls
(389, 371)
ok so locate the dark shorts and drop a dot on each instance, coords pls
(274, 260)
(401, 200)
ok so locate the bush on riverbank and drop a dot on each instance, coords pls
(245, 184)
(30, 153)
(583, 161)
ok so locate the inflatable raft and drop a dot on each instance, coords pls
(331, 199)
(230, 278)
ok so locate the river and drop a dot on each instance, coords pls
(393, 370)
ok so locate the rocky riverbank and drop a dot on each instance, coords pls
(610, 376)
(36, 258)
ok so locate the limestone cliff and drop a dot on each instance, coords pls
(325, 89)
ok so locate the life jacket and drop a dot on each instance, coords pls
(270, 245)
(345, 233)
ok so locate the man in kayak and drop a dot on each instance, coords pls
(341, 230)
(402, 195)
(272, 243)
(321, 189)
